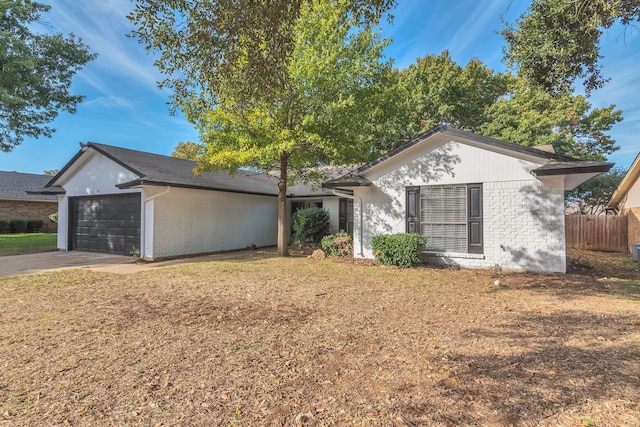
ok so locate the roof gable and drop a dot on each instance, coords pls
(550, 164)
(159, 170)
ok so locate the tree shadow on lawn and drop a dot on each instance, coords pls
(544, 364)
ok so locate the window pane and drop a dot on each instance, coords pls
(443, 210)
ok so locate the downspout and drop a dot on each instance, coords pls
(144, 217)
(359, 199)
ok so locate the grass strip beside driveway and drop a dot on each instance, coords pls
(27, 243)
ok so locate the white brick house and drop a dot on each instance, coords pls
(113, 200)
(479, 201)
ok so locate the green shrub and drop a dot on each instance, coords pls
(339, 244)
(34, 225)
(310, 225)
(53, 217)
(4, 227)
(402, 250)
(17, 226)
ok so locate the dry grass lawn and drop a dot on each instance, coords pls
(267, 341)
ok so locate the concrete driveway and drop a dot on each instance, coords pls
(120, 264)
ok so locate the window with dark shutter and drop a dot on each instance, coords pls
(449, 216)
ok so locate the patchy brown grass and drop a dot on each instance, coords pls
(266, 341)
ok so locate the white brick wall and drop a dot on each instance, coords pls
(523, 217)
(193, 221)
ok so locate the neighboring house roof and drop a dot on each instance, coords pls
(14, 186)
(627, 182)
(554, 164)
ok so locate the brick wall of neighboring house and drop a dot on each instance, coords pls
(29, 210)
(633, 225)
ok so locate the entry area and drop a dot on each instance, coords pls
(107, 224)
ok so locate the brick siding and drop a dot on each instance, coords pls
(28, 210)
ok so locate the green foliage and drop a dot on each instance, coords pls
(310, 225)
(272, 85)
(339, 244)
(402, 250)
(592, 197)
(33, 226)
(4, 227)
(17, 226)
(53, 217)
(556, 42)
(36, 73)
(187, 150)
(530, 116)
(436, 90)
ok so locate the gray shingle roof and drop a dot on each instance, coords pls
(156, 169)
(14, 185)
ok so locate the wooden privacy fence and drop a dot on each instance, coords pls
(597, 232)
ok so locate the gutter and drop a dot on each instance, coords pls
(144, 222)
(359, 199)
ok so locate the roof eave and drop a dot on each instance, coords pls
(345, 184)
(141, 182)
(604, 167)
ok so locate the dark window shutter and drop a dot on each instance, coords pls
(342, 214)
(474, 225)
(413, 210)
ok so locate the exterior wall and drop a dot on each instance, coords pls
(630, 207)
(29, 210)
(189, 221)
(523, 217)
(93, 175)
(633, 225)
(632, 199)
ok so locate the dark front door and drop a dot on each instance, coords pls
(109, 224)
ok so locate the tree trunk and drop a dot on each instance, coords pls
(283, 223)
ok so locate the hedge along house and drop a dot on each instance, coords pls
(17, 204)
(480, 202)
(116, 200)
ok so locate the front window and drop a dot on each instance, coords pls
(443, 217)
(449, 216)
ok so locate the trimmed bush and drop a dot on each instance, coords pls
(34, 225)
(4, 227)
(17, 226)
(310, 225)
(339, 244)
(402, 250)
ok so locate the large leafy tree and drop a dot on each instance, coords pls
(282, 85)
(436, 90)
(530, 116)
(556, 42)
(36, 73)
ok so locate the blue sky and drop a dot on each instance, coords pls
(124, 107)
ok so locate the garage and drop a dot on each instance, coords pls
(109, 224)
